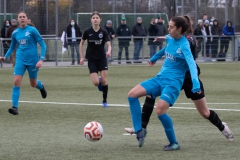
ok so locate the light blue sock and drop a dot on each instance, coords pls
(135, 109)
(39, 85)
(168, 126)
(15, 95)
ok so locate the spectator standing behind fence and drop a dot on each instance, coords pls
(216, 32)
(207, 39)
(4, 30)
(205, 17)
(9, 35)
(30, 23)
(138, 31)
(74, 33)
(123, 31)
(153, 30)
(198, 33)
(111, 35)
(162, 31)
(227, 31)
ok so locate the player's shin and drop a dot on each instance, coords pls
(168, 127)
(15, 96)
(147, 111)
(135, 110)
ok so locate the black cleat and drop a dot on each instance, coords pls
(13, 110)
(43, 92)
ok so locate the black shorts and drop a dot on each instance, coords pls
(187, 87)
(97, 65)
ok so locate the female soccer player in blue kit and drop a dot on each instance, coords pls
(198, 99)
(25, 38)
(168, 83)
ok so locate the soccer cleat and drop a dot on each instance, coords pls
(100, 83)
(171, 147)
(227, 132)
(105, 104)
(43, 92)
(13, 110)
(130, 130)
(141, 134)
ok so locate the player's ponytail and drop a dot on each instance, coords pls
(189, 21)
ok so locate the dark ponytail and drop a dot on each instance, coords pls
(190, 28)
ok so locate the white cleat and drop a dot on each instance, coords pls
(227, 132)
(130, 130)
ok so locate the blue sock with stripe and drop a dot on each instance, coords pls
(15, 95)
(136, 114)
(39, 85)
(168, 126)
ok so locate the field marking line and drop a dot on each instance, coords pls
(126, 105)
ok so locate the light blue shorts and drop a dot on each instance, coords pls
(167, 89)
(20, 69)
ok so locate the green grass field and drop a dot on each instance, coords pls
(52, 128)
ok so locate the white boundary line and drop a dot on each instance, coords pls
(125, 105)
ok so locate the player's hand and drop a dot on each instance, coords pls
(39, 64)
(81, 61)
(108, 54)
(151, 63)
(2, 59)
(161, 38)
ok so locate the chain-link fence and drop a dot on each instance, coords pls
(51, 17)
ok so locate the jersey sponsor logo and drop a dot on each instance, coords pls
(27, 34)
(170, 56)
(90, 35)
(23, 42)
(100, 35)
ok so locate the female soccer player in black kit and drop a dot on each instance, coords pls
(95, 54)
(199, 100)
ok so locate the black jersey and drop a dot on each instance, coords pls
(192, 42)
(96, 42)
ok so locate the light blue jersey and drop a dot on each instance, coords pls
(178, 60)
(26, 39)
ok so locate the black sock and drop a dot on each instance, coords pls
(147, 111)
(214, 119)
(105, 92)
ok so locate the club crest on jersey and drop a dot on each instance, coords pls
(27, 34)
(100, 35)
(179, 51)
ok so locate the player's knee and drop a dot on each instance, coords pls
(16, 82)
(33, 84)
(131, 94)
(104, 82)
(95, 83)
(205, 114)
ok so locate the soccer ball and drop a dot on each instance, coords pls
(93, 131)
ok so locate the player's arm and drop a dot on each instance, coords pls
(158, 55)
(43, 52)
(81, 51)
(11, 49)
(192, 67)
(107, 40)
(108, 54)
